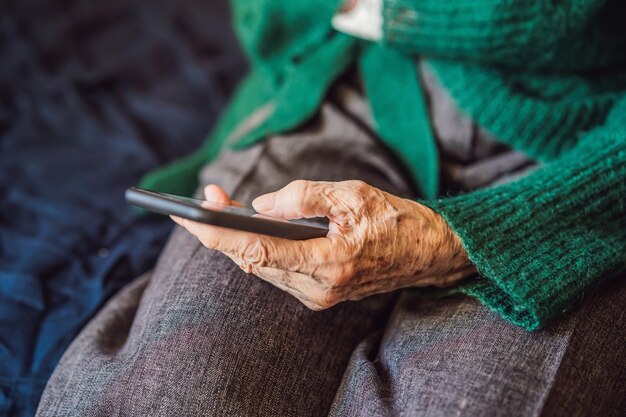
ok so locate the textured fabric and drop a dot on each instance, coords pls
(538, 75)
(471, 157)
(400, 89)
(579, 229)
(451, 357)
(294, 58)
(585, 377)
(561, 35)
(200, 337)
(542, 115)
(92, 95)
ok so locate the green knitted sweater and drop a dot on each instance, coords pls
(547, 77)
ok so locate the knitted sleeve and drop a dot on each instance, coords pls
(532, 33)
(542, 242)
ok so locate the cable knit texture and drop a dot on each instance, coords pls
(546, 77)
(540, 114)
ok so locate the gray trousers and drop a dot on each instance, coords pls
(200, 337)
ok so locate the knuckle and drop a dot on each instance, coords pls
(247, 268)
(357, 193)
(254, 252)
(296, 192)
(358, 186)
(299, 187)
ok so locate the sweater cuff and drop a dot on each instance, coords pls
(541, 242)
(497, 238)
(506, 287)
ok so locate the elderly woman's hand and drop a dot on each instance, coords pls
(376, 243)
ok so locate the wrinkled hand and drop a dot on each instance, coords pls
(376, 243)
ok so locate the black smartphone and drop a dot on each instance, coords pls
(216, 214)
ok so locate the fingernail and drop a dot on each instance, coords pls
(265, 202)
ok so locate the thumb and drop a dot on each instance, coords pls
(299, 199)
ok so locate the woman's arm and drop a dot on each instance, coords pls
(539, 243)
(542, 242)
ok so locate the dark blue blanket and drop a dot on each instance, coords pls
(92, 95)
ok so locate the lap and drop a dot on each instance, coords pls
(208, 339)
(452, 356)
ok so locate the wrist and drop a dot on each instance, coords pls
(448, 251)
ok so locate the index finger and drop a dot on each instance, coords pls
(304, 256)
